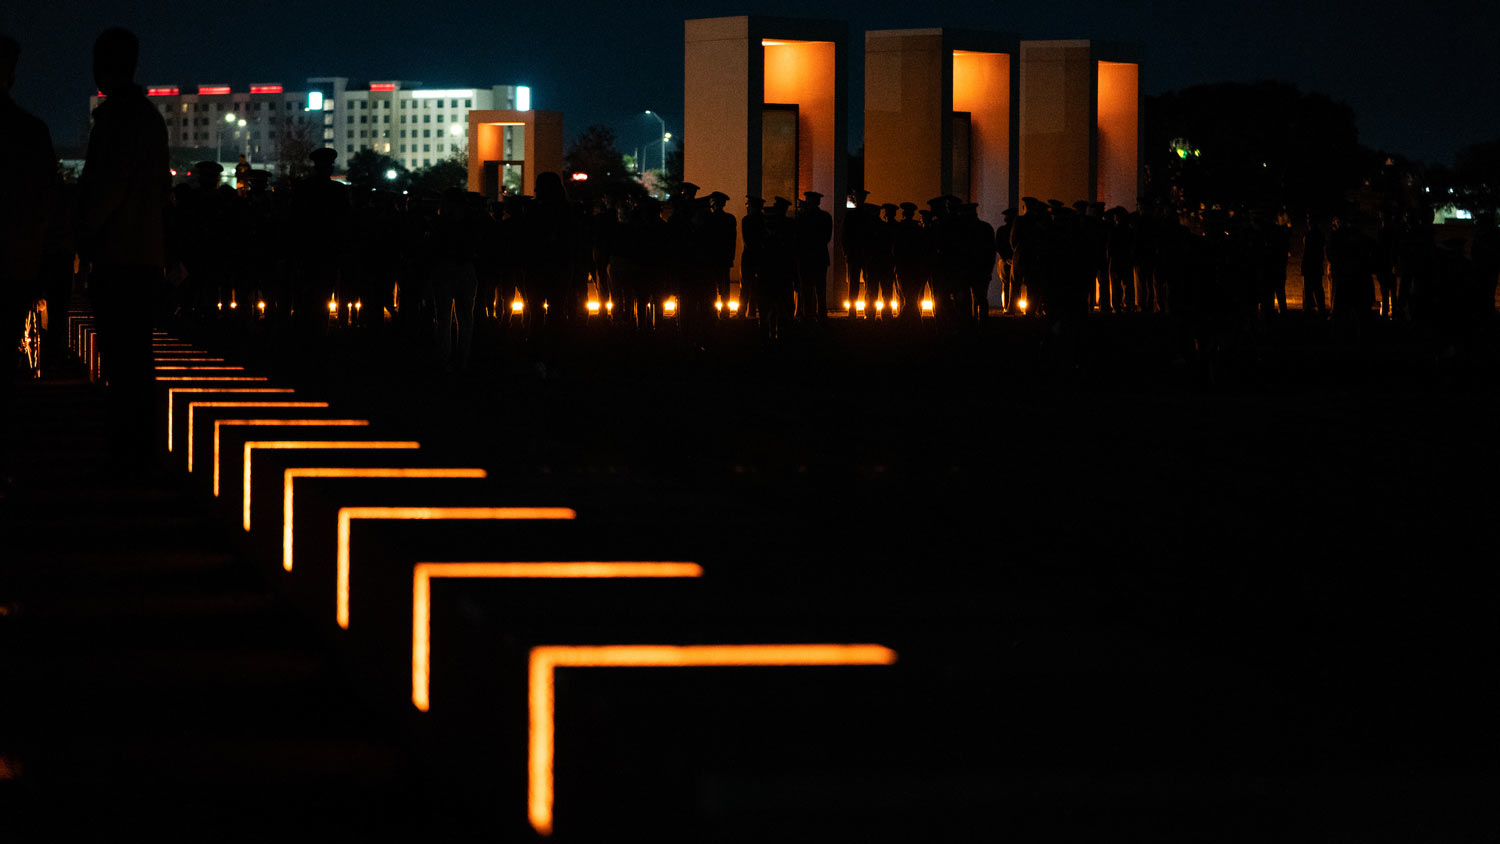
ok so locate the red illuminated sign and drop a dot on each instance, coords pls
(265, 89)
(382, 86)
(161, 92)
(211, 90)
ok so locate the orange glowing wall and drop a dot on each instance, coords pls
(904, 107)
(732, 67)
(804, 73)
(981, 86)
(541, 136)
(717, 112)
(1058, 81)
(1119, 126)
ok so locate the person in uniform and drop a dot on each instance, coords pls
(720, 239)
(1313, 246)
(814, 230)
(907, 254)
(752, 259)
(320, 205)
(124, 194)
(29, 191)
(855, 240)
(778, 276)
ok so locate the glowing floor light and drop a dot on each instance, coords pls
(421, 597)
(347, 515)
(202, 368)
(669, 307)
(173, 391)
(289, 478)
(206, 379)
(218, 423)
(194, 405)
(372, 445)
(542, 688)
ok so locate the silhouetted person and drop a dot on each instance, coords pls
(1006, 253)
(1387, 240)
(778, 275)
(551, 239)
(1026, 264)
(1350, 267)
(814, 228)
(454, 282)
(28, 195)
(908, 242)
(1313, 245)
(855, 240)
(880, 258)
(323, 219)
(979, 263)
(1485, 252)
(720, 237)
(242, 175)
(124, 185)
(753, 258)
(1278, 250)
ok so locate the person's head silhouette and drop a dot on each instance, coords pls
(115, 54)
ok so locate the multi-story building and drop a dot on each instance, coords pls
(416, 126)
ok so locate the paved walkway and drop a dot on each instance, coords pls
(151, 681)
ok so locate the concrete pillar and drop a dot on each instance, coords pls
(542, 143)
(1080, 122)
(734, 68)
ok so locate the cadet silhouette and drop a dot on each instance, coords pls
(122, 234)
(752, 260)
(1313, 244)
(28, 196)
(814, 231)
(321, 207)
(720, 238)
(855, 240)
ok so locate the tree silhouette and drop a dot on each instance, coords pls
(1258, 144)
(593, 153)
(369, 169)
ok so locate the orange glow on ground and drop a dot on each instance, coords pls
(348, 514)
(197, 404)
(421, 598)
(188, 360)
(288, 486)
(173, 391)
(211, 378)
(374, 445)
(542, 692)
(203, 368)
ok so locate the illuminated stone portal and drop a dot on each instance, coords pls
(1080, 122)
(507, 149)
(765, 111)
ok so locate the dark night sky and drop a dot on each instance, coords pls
(1424, 87)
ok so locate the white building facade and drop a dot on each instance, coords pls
(416, 126)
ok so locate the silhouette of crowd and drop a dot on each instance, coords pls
(316, 254)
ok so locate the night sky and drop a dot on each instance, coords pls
(1420, 86)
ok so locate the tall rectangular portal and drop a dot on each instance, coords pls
(765, 110)
(941, 117)
(507, 149)
(1080, 122)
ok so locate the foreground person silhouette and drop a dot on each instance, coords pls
(28, 187)
(122, 233)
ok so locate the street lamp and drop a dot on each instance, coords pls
(664, 137)
(228, 118)
(241, 123)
